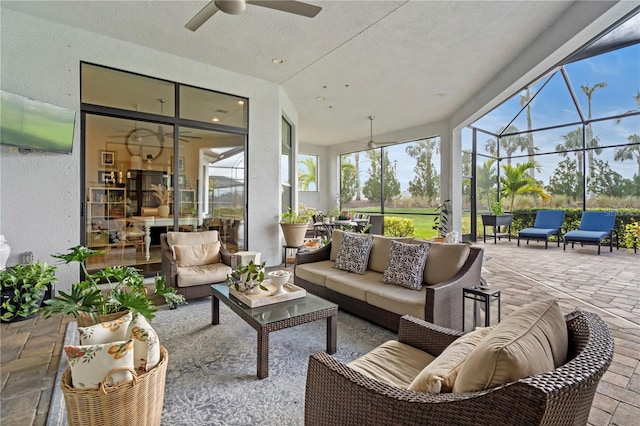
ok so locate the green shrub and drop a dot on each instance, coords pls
(631, 233)
(398, 227)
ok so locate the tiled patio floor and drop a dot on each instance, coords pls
(608, 284)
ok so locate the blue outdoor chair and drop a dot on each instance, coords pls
(594, 228)
(547, 223)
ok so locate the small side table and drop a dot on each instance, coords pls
(290, 251)
(480, 299)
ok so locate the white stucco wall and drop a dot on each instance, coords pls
(40, 198)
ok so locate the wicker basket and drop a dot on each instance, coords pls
(85, 320)
(137, 402)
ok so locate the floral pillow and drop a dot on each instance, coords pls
(106, 332)
(146, 345)
(353, 255)
(406, 265)
(91, 363)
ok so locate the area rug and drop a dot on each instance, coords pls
(211, 375)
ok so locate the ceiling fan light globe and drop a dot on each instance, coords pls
(232, 7)
(371, 145)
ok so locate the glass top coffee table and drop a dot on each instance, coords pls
(265, 319)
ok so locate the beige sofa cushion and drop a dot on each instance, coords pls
(399, 300)
(204, 274)
(197, 254)
(440, 375)
(532, 340)
(317, 272)
(379, 257)
(354, 285)
(393, 363)
(336, 242)
(444, 261)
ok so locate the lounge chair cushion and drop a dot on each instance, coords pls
(592, 236)
(532, 340)
(537, 232)
(189, 276)
(440, 375)
(393, 363)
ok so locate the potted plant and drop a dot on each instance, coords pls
(496, 219)
(247, 278)
(23, 289)
(294, 227)
(441, 222)
(126, 292)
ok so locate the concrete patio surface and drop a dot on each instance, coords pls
(608, 284)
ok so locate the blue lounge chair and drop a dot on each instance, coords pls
(594, 228)
(547, 223)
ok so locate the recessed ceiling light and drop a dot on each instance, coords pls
(240, 102)
(216, 119)
(440, 94)
(321, 98)
(277, 61)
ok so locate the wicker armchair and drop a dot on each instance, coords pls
(339, 395)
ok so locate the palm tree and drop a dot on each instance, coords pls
(512, 143)
(629, 151)
(591, 141)
(524, 100)
(358, 189)
(572, 140)
(517, 181)
(486, 180)
(308, 177)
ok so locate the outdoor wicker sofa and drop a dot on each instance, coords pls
(448, 269)
(339, 395)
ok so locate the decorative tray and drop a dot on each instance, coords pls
(265, 297)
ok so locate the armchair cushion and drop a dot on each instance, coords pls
(353, 255)
(393, 362)
(197, 254)
(530, 341)
(440, 375)
(406, 265)
(190, 276)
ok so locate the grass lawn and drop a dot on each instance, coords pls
(422, 219)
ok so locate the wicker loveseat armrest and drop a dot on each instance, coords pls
(425, 336)
(228, 258)
(323, 253)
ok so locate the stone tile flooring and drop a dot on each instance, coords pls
(608, 284)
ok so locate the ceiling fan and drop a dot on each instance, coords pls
(371, 144)
(235, 7)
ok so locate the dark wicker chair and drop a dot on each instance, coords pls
(339, 395)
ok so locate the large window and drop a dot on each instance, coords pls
(401, 180)
(580, 129)
(307, 172)
(159, 156)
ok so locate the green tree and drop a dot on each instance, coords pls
(605, 181)
(516, 180)
(566, 180)
(426, 182)
(307, 173)
(372, 187)
(349, 182)
(630, 151)
(511, 143)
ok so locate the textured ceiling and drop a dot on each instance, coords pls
(407, 63)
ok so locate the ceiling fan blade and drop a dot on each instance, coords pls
(201, 17)
(295, 7)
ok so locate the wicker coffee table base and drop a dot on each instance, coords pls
(263, 330)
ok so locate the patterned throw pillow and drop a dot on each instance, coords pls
(106, 332)
(146, 345)
(353, 255)
(406, 265)
(91, 363)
